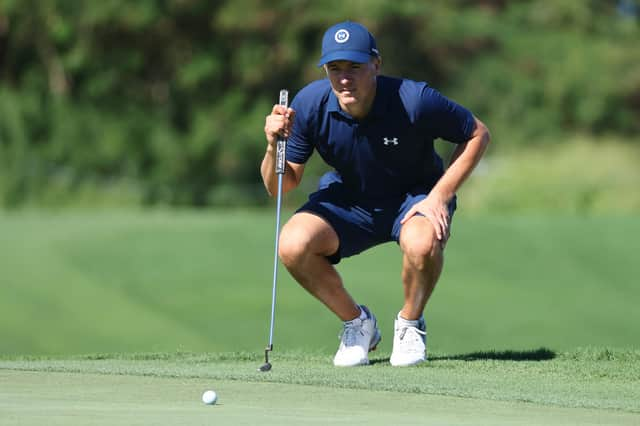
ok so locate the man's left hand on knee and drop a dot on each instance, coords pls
(435, 209)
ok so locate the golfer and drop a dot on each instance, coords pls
(388, 184)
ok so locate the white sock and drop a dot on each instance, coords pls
(410, 323)
(363, 314)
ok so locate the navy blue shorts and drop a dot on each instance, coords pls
(360, 224)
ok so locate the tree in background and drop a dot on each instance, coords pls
(163, 102)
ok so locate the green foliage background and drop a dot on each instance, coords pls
(152, 102)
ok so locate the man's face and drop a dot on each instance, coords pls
(353, 83)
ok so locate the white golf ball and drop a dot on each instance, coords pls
(209, 397)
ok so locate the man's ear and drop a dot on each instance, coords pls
(378, 64)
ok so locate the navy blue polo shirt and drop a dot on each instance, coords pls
(388, 153)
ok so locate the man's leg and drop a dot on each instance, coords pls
(422, 262)
(305, 242)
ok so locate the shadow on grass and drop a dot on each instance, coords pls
(541, 354)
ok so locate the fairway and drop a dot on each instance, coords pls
(166, 389)
(156, 281)
(534, 322)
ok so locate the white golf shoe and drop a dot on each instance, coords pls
(358, 338)
(409, 342)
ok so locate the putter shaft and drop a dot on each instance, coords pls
(280, 170)
(275, 265)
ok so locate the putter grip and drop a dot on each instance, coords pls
(281, 146)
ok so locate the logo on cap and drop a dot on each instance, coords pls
(341, 36)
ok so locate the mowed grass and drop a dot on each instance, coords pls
(201, 281)
(534, 322)
(527, 388)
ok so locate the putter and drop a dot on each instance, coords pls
(280, 169)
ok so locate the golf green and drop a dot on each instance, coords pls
(55, 398)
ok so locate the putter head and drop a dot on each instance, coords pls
(265, 367)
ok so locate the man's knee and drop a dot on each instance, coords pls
(421, 246)
(425, 250)
(293, 245)
(304, 235)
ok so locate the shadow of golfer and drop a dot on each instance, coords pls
(541, 354)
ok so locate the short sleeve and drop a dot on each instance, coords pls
(300, 144)
(446, 119)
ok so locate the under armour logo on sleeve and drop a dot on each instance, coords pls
(392, 141)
